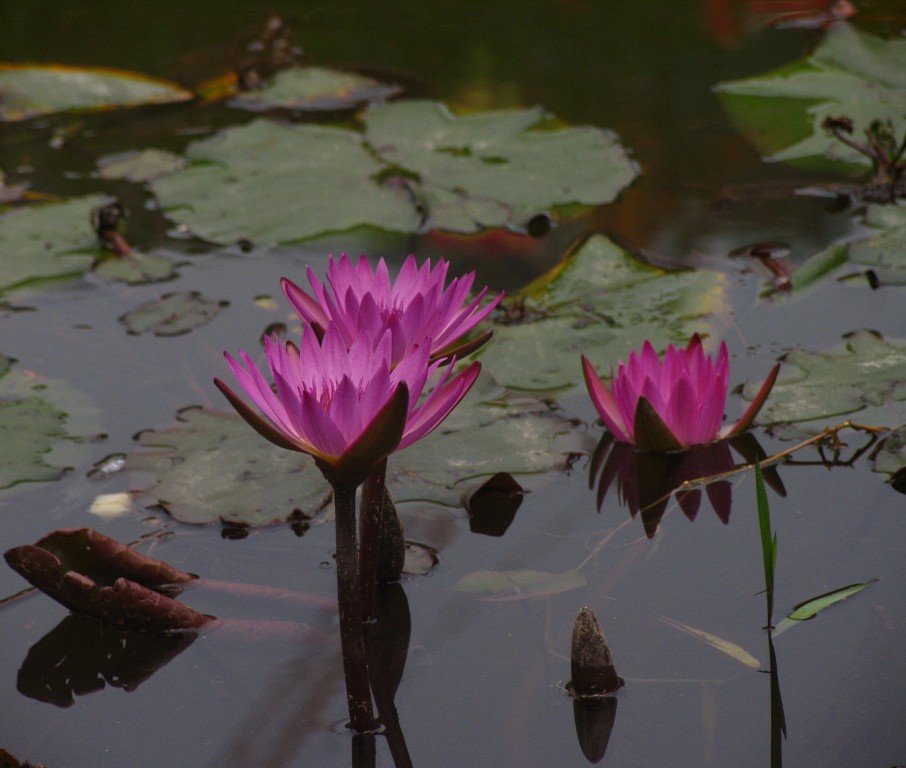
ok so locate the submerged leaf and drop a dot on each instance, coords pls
(519, 585)
(34, 89)
(139, 167)
(732, 650)
(850, 73)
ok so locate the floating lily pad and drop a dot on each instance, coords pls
(139, 167)
(602, 302)
(172, 314)
(135, 268)
(273, 183)
(864, 375)
(478, 440)
(491, 169)
(885, 252)
(416, 167)
(29, 90)
(36, 444)
(47, 241)
(210, 466)
(849, 74)
(315, 89)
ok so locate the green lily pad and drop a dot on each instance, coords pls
(521, 436)
(865, 374)
(315, 89)
(36, 439)
(850, 74)
(139, 167)
(210, 466)
(492, 169)
(172, 314)
(416, 167)
(603, 302)
(47, 241)
(885, 252)
(29, 90)
(274, 183)
(135, 268)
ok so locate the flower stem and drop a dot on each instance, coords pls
(369, 529)
(352, 637)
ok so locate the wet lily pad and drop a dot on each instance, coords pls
(172, 314)
(885, 252)
(850, 73)
(47, 241)
(477, 441)
(864, 375)
(491, 169)
(210, 466)
(315, 89)
(603, 302)
(36, 441)
(273, 183)
(416, 167)
(33, 89)
(139, 167)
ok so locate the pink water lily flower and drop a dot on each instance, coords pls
(416, 306)
(670, 404)
(347, 406)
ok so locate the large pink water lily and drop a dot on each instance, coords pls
(672, 403)
(346, 405)
(416, 307)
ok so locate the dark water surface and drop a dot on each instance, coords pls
(483, 681)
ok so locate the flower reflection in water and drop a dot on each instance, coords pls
(646, 481)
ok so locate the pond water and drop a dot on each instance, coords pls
(483, 680)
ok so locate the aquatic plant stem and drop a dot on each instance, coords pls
(369, 533)
(352, 630)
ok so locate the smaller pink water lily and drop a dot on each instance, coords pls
(415, 307)
(345, 405)
(670, 404)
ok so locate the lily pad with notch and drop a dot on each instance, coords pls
(601, 301)
(172, 314)
(45, 242)
(865, 374)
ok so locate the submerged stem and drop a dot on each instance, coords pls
(352, 638)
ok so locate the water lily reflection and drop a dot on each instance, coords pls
(647, 481)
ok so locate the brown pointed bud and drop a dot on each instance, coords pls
(593, 673)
